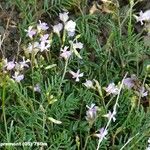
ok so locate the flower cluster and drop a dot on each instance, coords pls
(16, 68)
(68, 25)
(43, 39)
(129, 83)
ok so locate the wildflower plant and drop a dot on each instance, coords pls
(73, 87)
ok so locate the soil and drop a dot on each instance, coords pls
(8, 30)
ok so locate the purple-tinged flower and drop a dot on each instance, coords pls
(57, 28)
(143, 16)
(88, 84)
(142, 91)
(64, 53)
(42, 26)
(112, 89)
(70, 26)
(91, 113)
(45, 43)
(37, 88)
(76, 75)
(44, 38)
(30, 32)
(22, 64)
(130, 82)
(111, 115)
(64, 16)
(18, 77)
(44, 46)
(78, 45)
(71, 34)
(102, 133)
(9, 65)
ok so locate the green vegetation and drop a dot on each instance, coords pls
(48, 90)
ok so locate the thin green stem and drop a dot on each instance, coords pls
(86, 141)
(63, 76)
(128, 141)
(3, 109)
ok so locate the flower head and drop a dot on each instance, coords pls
(76, 75)
(37, 88)
(102, 133)
(57, 28)
(30, 32)
(112, 89)
(88, 84)
(18, 77)
(129, 82)
(42, 26)
(9, 65)
(44, 38)
(143, 16)
(78, 45)
(91, 113)
(44, 46)
(64, 53)
(71, 34)
(70, 26)
(22, 64)
(142, 91)
(33, 48)
(64, 16)
(111, 115)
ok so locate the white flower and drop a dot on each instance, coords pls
(30, 32)
(77, 45)
(112, 89)
(130, 82)
(71, 34)
(143, 16)
(33, 48)
(44, 46)
(42, 26)
(37, 88)
(102, 133)
(45, 43)
(91, 113)
(57, 28)
(148, 148)
(64, 16)
(65, 54)
(148, 140)
(22, 64)
(70, 26)
(76, 75)
(111, 116)
(18, 77)
(9, 65)
(44, 38)
(142, 91)
(88, 84)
